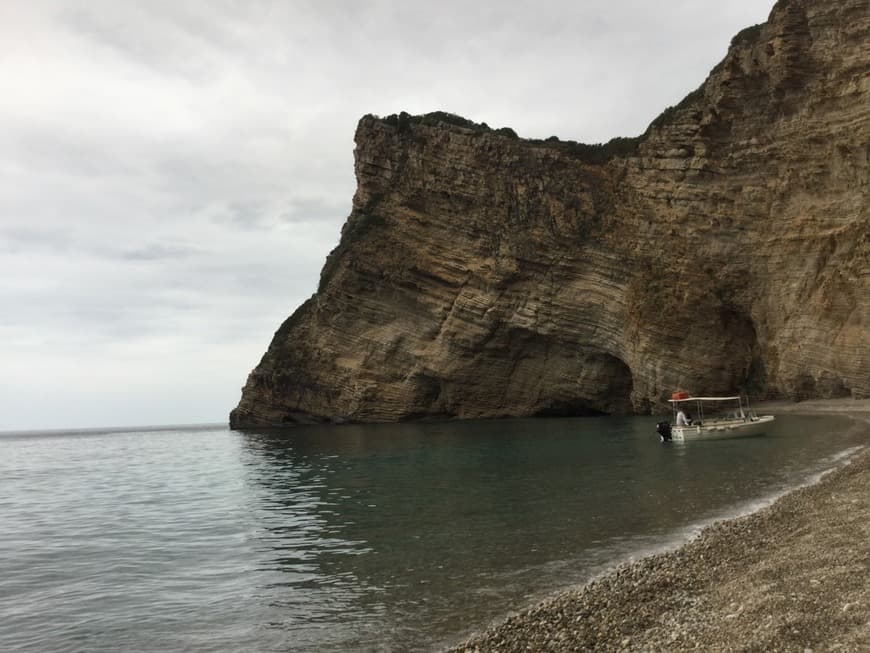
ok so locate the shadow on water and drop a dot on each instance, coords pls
(405, 536)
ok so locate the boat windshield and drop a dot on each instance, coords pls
(706, 409)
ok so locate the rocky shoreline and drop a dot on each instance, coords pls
(791, 577)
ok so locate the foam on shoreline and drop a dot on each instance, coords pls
(668, 597)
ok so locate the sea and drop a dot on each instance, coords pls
(396, 537)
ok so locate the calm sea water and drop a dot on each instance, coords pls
(389, 537)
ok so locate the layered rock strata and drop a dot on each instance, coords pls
(482, 275)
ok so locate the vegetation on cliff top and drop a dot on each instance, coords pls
(403, 121)
(667, 116)
(747, 36)
(597, 153)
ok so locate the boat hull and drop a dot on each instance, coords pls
(722, 430)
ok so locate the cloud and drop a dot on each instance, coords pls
(173, 174)
(158, 252)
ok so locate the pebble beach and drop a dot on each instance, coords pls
(793, 576)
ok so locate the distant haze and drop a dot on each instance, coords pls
(173, 174)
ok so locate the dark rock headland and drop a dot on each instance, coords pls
(483, 275)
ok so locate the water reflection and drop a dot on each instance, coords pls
(403, 536)
(311, 589)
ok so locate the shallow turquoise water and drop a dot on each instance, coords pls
(388, 537)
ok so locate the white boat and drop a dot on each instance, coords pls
(711, 418)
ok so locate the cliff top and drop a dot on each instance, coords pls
(594, 153)
(597, 153)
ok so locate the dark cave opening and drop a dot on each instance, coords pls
(602, 386)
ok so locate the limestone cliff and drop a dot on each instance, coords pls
(483, 275)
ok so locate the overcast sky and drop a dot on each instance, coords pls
(173, 173)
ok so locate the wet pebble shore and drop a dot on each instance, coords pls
(794, 576)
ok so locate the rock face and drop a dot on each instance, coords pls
(483, 275)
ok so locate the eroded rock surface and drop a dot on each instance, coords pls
(483, 275)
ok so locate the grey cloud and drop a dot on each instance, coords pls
(22, 237)
(314, 209)
(158, 252)
(262, 216)
(251, 215)
(81, 154)
(171, 39)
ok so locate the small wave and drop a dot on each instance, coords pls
(689, 532)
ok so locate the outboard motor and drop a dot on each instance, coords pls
(664, 430)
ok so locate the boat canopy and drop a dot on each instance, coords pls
(679, 401)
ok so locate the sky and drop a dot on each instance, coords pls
(174, 173)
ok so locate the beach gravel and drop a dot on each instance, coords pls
(791, 577)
